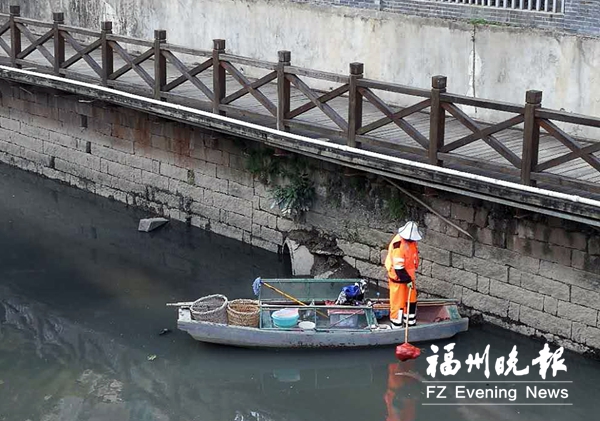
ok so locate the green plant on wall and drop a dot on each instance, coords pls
(360, 186)
(396, 207)
(484, 22)
(296, 194)
(292, 189)
(296, 197)
(296, 165)
(262, 164)
(478, 21)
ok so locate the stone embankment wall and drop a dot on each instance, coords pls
(532, 274)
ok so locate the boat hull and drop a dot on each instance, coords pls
(248, 337)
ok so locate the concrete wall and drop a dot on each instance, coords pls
(580, 16)
(531, 274)
(479, 61)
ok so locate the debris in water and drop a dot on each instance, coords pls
(150, 224)
(151, 357)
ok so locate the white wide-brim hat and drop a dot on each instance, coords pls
(410, 231)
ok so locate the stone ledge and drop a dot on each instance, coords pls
(435, 254)
(454, 276)
(481, 267)
(516, 294)
(508, 258)
(352, 249)
(545, 322)
(484, 303)
(577, 313)
(585, 297)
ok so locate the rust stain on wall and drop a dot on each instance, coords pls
(141, 131)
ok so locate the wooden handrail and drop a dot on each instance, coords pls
(78, 30)
(129, 40)
(185, 50)
(394, 87)
(482, 103)
(567, 117)
(435, 106)
(316, 74)
(262, 64)
(33, 22)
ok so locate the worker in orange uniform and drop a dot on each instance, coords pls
(401, 263)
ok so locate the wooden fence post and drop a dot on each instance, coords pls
(15, 35)
(58, 18)
(107, 52)
(531, 137)
(355, 103)
(160, 63)
(219, 86)
(283, 89)
(437, 119)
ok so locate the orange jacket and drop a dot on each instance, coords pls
(402, 253)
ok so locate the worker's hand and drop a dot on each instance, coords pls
(409, 285)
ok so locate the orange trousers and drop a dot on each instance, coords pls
(398, 298)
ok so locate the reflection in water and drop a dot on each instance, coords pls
(404, 385)
(82, 303)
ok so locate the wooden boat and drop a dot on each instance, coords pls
(335, 326)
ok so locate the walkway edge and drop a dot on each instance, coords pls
(552, 203)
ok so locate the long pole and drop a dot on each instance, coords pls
(289, 296)
(407, 318)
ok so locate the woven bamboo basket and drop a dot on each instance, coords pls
(212, 308)
(243, 312)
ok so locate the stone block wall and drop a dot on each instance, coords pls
(533, 274)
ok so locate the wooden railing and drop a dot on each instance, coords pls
(438, 104)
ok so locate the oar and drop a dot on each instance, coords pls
(258, 282)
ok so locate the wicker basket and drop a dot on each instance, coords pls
(243, 312)
(212, 308)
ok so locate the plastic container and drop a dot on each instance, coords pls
(380, 314)
(306, 325)
(343, 318)
(287, 317)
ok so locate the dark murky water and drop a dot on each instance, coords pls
(82, 300)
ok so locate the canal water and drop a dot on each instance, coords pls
(82, 306)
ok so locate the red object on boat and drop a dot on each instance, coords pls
(407, 351)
